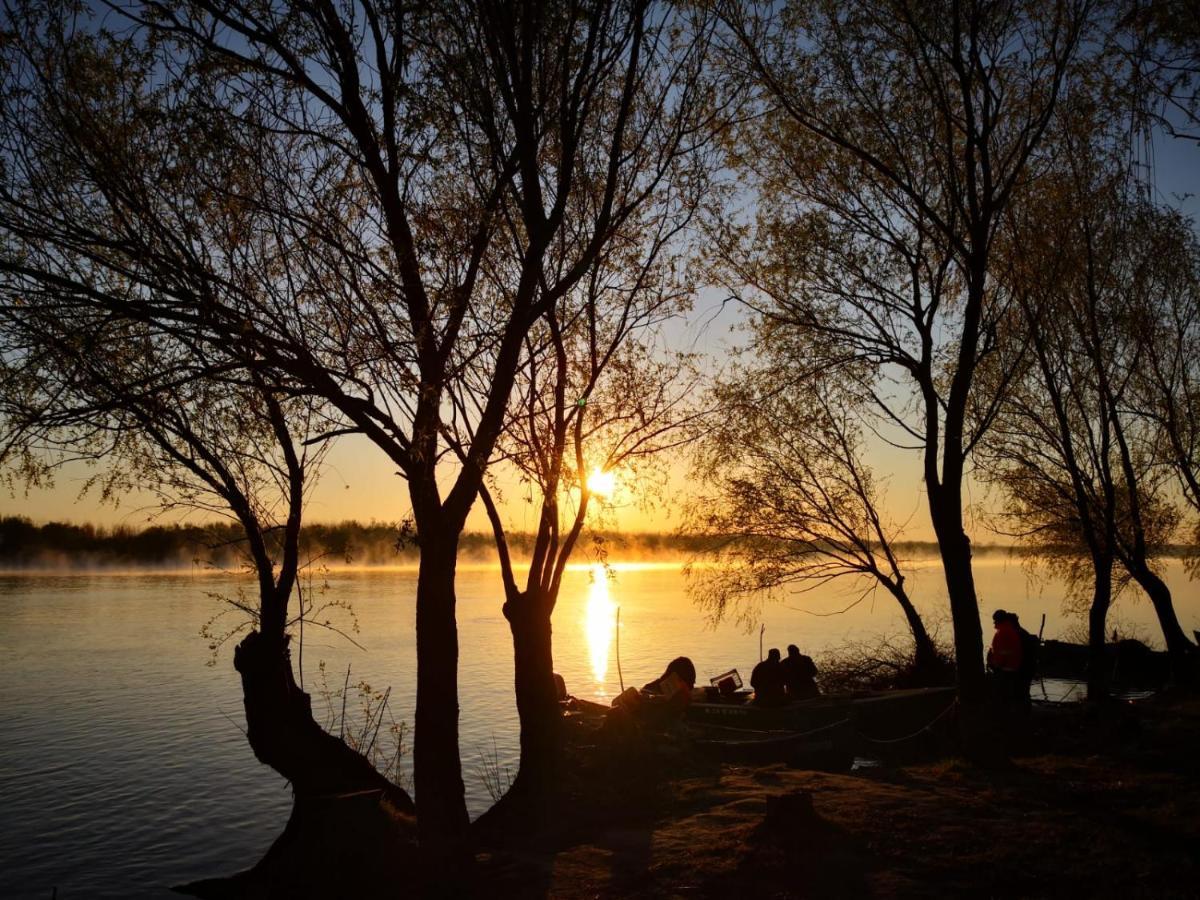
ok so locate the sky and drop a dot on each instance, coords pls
(360, 483)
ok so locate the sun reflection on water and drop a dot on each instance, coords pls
(599, 623)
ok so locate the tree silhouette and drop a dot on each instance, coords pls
(361, 200)
(596, 392)
(892, 140)
(201, 434)
(788, 496)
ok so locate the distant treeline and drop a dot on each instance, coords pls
(25, 545)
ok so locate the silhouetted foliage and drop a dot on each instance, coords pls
(784, 485)
(368, 204)
(889, 151)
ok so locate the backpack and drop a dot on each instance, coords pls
(1031, 648)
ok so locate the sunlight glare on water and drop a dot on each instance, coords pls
(599, 625)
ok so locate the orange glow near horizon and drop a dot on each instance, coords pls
(599, 623)
(360, 483)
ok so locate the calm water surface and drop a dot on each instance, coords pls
(123, 769)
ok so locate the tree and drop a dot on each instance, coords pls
(892, 140)
(1052, 450)
(1080, 462)
(360, 198)
(789, 498)
(595, 394)
(1167, 388)
(1156, 44)
(201, 433)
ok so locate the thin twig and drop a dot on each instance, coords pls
(378, 722)
(345, 691)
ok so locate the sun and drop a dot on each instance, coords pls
(602, 483)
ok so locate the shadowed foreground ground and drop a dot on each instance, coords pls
(1062, 821)
(1102, 803)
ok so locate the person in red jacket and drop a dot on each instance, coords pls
(1004, 657)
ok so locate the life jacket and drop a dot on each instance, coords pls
(1005, 655)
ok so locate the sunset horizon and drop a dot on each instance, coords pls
(600, 449)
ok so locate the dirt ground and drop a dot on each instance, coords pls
(1102, 803)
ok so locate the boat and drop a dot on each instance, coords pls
(1129, 663)
(828, 747)
(890, 716)
(880, 711)
(822, 732)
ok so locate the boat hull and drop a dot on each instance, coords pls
(885, 711)
(803, 716)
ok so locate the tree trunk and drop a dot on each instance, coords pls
(1178, 646)
(442, 813)
(955, 549)
(284, 735)
(977, 727)
(528, 617)
(1097, 681)
(925, 655)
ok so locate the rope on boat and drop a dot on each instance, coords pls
(917, 733)
(832, 725)
(771, 735)
(761, 734)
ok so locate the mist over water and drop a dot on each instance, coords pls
(123, 769)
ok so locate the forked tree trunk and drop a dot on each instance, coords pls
(528, 803)
(528, 616)
(1097, 680)
(285, 736)
(437, 765)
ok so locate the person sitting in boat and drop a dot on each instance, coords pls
(1004, 656)
(767, 680)
(674, 686)
(660, 702)
(799, 675)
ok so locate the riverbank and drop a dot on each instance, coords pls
(1102, 803)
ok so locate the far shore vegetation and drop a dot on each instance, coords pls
(25, 544)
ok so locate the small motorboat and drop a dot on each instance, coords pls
(878, 714)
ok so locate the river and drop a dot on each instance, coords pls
(123, 769)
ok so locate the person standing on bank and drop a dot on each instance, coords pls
(1004, 657)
